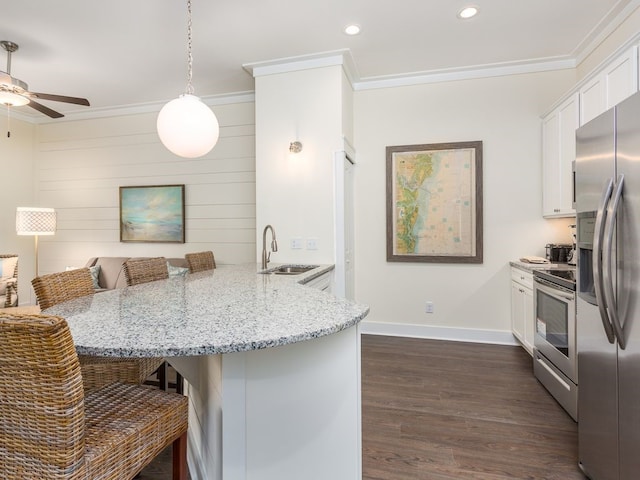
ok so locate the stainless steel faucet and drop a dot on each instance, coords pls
(274, 245)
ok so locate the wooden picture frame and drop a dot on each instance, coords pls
(434, 203)
(153, 213)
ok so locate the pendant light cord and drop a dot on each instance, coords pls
(189, 90)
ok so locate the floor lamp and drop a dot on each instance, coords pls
(35, 221)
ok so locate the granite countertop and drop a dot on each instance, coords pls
(530, 267)
(230, 309)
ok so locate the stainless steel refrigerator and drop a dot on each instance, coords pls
(607, 195)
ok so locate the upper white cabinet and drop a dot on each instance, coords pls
(559, 150)
(611, 84)
(615, 82)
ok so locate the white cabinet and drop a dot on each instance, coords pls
(322, 282)
(559, 151)
(522, 324)
(615, 82)
(611, 84)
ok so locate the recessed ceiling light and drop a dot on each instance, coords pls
(468, 12)
(352, 29)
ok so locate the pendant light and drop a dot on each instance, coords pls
(186, 126)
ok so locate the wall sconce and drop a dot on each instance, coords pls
(295, 147)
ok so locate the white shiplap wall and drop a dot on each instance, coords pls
(80, 165)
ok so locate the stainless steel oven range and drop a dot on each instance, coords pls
(554, 354)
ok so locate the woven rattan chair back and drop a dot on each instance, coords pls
(13, 288)
(200, 261)
(52, 429)
(59, 287)
(143, 270)
(42, 414)
(55, 288)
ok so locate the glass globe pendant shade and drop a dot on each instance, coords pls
(188, 127)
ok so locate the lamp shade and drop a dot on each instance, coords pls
(35, 221)
(187, 127)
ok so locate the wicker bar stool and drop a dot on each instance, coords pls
(143, 270)
(200, 261)
(59, 287)
(51, 429)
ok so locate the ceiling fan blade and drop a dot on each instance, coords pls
(61, 98)
(46, 110)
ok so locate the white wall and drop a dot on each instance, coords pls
(16, 165)
(79, 165)
(504, 113)
(295, 192)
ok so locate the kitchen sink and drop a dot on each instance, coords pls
(290, 269)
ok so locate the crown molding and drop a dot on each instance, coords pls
(306, 62)
(466, 73)
(609, 23)
(134, 109)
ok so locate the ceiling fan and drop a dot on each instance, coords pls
(15, 93)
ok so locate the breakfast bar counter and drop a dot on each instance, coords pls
(272, 367)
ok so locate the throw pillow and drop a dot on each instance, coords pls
(177, 271)
(95, 274)
(8, 267)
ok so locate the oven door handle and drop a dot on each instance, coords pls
(607, 253)
(553, 290)
(597, 261)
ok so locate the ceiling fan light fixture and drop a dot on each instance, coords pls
(12, 99)
(15, 93)
(186, 125)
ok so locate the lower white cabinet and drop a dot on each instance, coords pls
(322, 282)
(522, 322)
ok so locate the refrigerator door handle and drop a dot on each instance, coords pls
(597, 260)
(607, 253)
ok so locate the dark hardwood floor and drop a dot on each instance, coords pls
(441, 410)
(436, 410)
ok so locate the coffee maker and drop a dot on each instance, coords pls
(558, 253)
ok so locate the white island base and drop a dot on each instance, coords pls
(284, 413)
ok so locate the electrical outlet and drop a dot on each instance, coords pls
(429, 307)
(296, 243)
(312, 243)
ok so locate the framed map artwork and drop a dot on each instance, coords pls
(434, 203)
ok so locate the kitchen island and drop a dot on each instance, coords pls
(272, 366)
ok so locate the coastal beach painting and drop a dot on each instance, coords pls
(152, 214)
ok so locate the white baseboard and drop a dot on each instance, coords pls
(499, 337)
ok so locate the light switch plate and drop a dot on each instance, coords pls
(296, 243)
